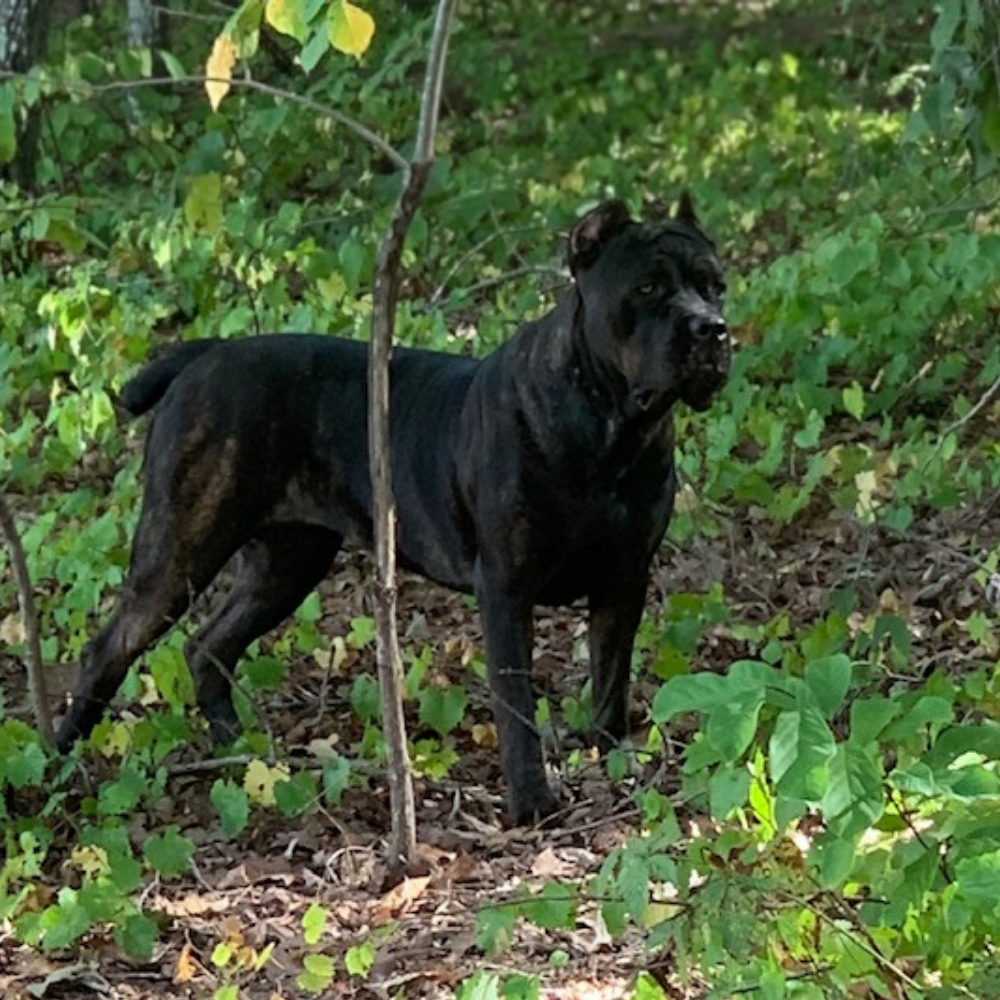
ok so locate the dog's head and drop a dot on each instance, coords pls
(651, 298)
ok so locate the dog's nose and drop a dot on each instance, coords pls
(709, 328)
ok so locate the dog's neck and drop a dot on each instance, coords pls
(605, 425)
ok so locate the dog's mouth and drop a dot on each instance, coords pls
(645, 399)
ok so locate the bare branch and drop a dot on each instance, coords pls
(387, 281)
(362, 131)
(29, 618)
(982, 402)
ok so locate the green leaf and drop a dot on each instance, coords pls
(829, 678)
(24, 765)
(732, 725)
(978, 879)
(8, 137)
(203, 205)
(854, 797)
(65, 922)
(314, 923)
(296, 795)
(336, 778)
(973, 781)
(633, 882)
(124, 870)
(172, 64)
(553, 908)
(481, 986)
(689, 693)
(265, 673)
(870, 716)
(647, 988)
(359, 960)
(442, 708)
(801, 749)
(137, 936)
(170, 673)
(728, 789)
(946, 24)
(118, 798)
(8, 125)
(362, 632)
(834, 859)
(288, 17)
(854, 400)
(365, 698)
(930, 710)
(233, 805)
(520, 987)
(311, 609)
(317, 973)
(169, 853)
(495, 928)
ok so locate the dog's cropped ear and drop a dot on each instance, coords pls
(685, 210)
(594, 229)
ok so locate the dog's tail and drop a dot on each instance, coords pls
(146, 389)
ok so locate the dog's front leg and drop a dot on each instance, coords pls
(614, 618)
(508, 631)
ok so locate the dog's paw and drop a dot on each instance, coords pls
(224, 726)
(529, 805)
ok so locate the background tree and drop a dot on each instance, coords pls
(147, 24)
(23, 27)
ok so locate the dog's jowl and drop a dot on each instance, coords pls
(538, 475)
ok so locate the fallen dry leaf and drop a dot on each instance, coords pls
(400, 899)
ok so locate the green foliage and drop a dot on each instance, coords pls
(233, 805)
(960, 97)
(317, 973)
(832, 826)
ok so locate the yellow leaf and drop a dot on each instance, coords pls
(92, 861)
(484, 734)
(219, 70)
(288, 17)
(259, 781)
(12, 630)
(351, 29)
(118, 740)
(185, 969)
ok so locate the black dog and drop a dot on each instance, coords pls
(538, 475)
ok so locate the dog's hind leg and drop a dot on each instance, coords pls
(171, 564)
(275, 572)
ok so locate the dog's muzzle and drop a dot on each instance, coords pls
(708, 363)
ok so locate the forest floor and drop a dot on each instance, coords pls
(255, 892)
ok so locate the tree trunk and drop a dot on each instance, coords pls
(146, 24)
(23, 25)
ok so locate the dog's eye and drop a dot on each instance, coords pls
(647, 288)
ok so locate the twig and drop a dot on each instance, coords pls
(29, 618)
(983, 401)
(360, 130)
(470, 253)
(860, 937)
(513, 275)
